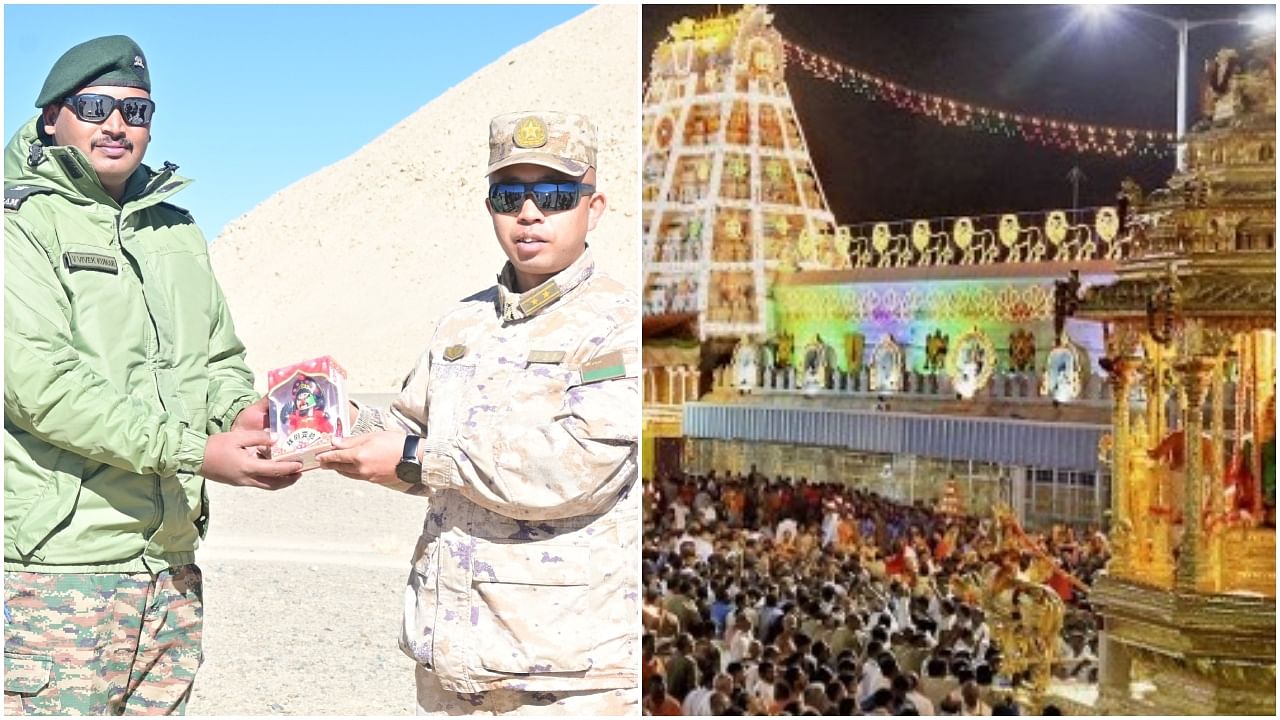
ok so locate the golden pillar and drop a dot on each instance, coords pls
(1216, 471)
(1157, 419)
(1262, 357)
(1217, 431)
(1194, 375)
(1121, 379)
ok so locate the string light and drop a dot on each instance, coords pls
(1048, 132)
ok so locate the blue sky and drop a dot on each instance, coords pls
(250, 99)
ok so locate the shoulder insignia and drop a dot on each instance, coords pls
(15, 195)
(180, 210)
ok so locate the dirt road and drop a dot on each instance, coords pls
(303, 593)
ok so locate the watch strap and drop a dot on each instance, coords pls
(409, 469)
(410, 454)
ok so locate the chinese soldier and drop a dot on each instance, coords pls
(520, 424)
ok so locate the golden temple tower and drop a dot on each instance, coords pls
(730, 192)
(1188, 599)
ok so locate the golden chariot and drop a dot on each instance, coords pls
(1188, 598)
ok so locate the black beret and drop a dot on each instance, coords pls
(114, 60)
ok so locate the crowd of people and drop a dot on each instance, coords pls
(780, 597)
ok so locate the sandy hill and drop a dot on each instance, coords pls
(359, 259)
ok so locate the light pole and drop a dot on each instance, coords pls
(1075, 177)
(1184, 27)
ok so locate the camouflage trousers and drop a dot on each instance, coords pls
(435, 700)
(101, 644)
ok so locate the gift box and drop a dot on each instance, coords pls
(307, 409)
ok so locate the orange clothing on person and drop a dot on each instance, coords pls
(846, 534)
(651, 667)
(946, 545)
(896, 564)
(733, 503)
(669, 708)
(1061, 584)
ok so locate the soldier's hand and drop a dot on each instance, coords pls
(368, 456)
(252, 417)
(229, 458)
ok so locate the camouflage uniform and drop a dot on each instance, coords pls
(120, 361)
(101, 644)
(523, 594)
(433, 699)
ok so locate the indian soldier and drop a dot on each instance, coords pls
(122, 372)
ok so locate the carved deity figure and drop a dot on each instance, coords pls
(746, 364)
(785, 342)
(1219, 94)
(817, 364)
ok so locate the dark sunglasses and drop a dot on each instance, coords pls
(507, 197)
(95, 108)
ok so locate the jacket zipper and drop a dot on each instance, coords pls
(153, 349)
(153, 340)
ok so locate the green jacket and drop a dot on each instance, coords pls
(120, 359)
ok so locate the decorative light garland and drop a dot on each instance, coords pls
(1057, 134)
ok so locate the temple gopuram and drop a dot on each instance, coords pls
(894, 353)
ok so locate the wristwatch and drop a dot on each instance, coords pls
(409, 469)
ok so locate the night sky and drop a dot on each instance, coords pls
(876, 162)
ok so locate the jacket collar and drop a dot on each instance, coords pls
(65, 170)
(512, 305)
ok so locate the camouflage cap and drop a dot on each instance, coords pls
(114, 60)
(560, 141)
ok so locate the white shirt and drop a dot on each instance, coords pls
(1070, 659)
(739, 645)
(830, 526)
(760, 689)
(945, 623)
(697, 702)
(708, 513)
(911, 558)
(679, 512)
(703, 548)
(922, 704)
(787, 527)
(872, 681)
(701, 500)
(935, 609)
(900, 611)
(982, 638)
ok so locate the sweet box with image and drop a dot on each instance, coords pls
(307, 404)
